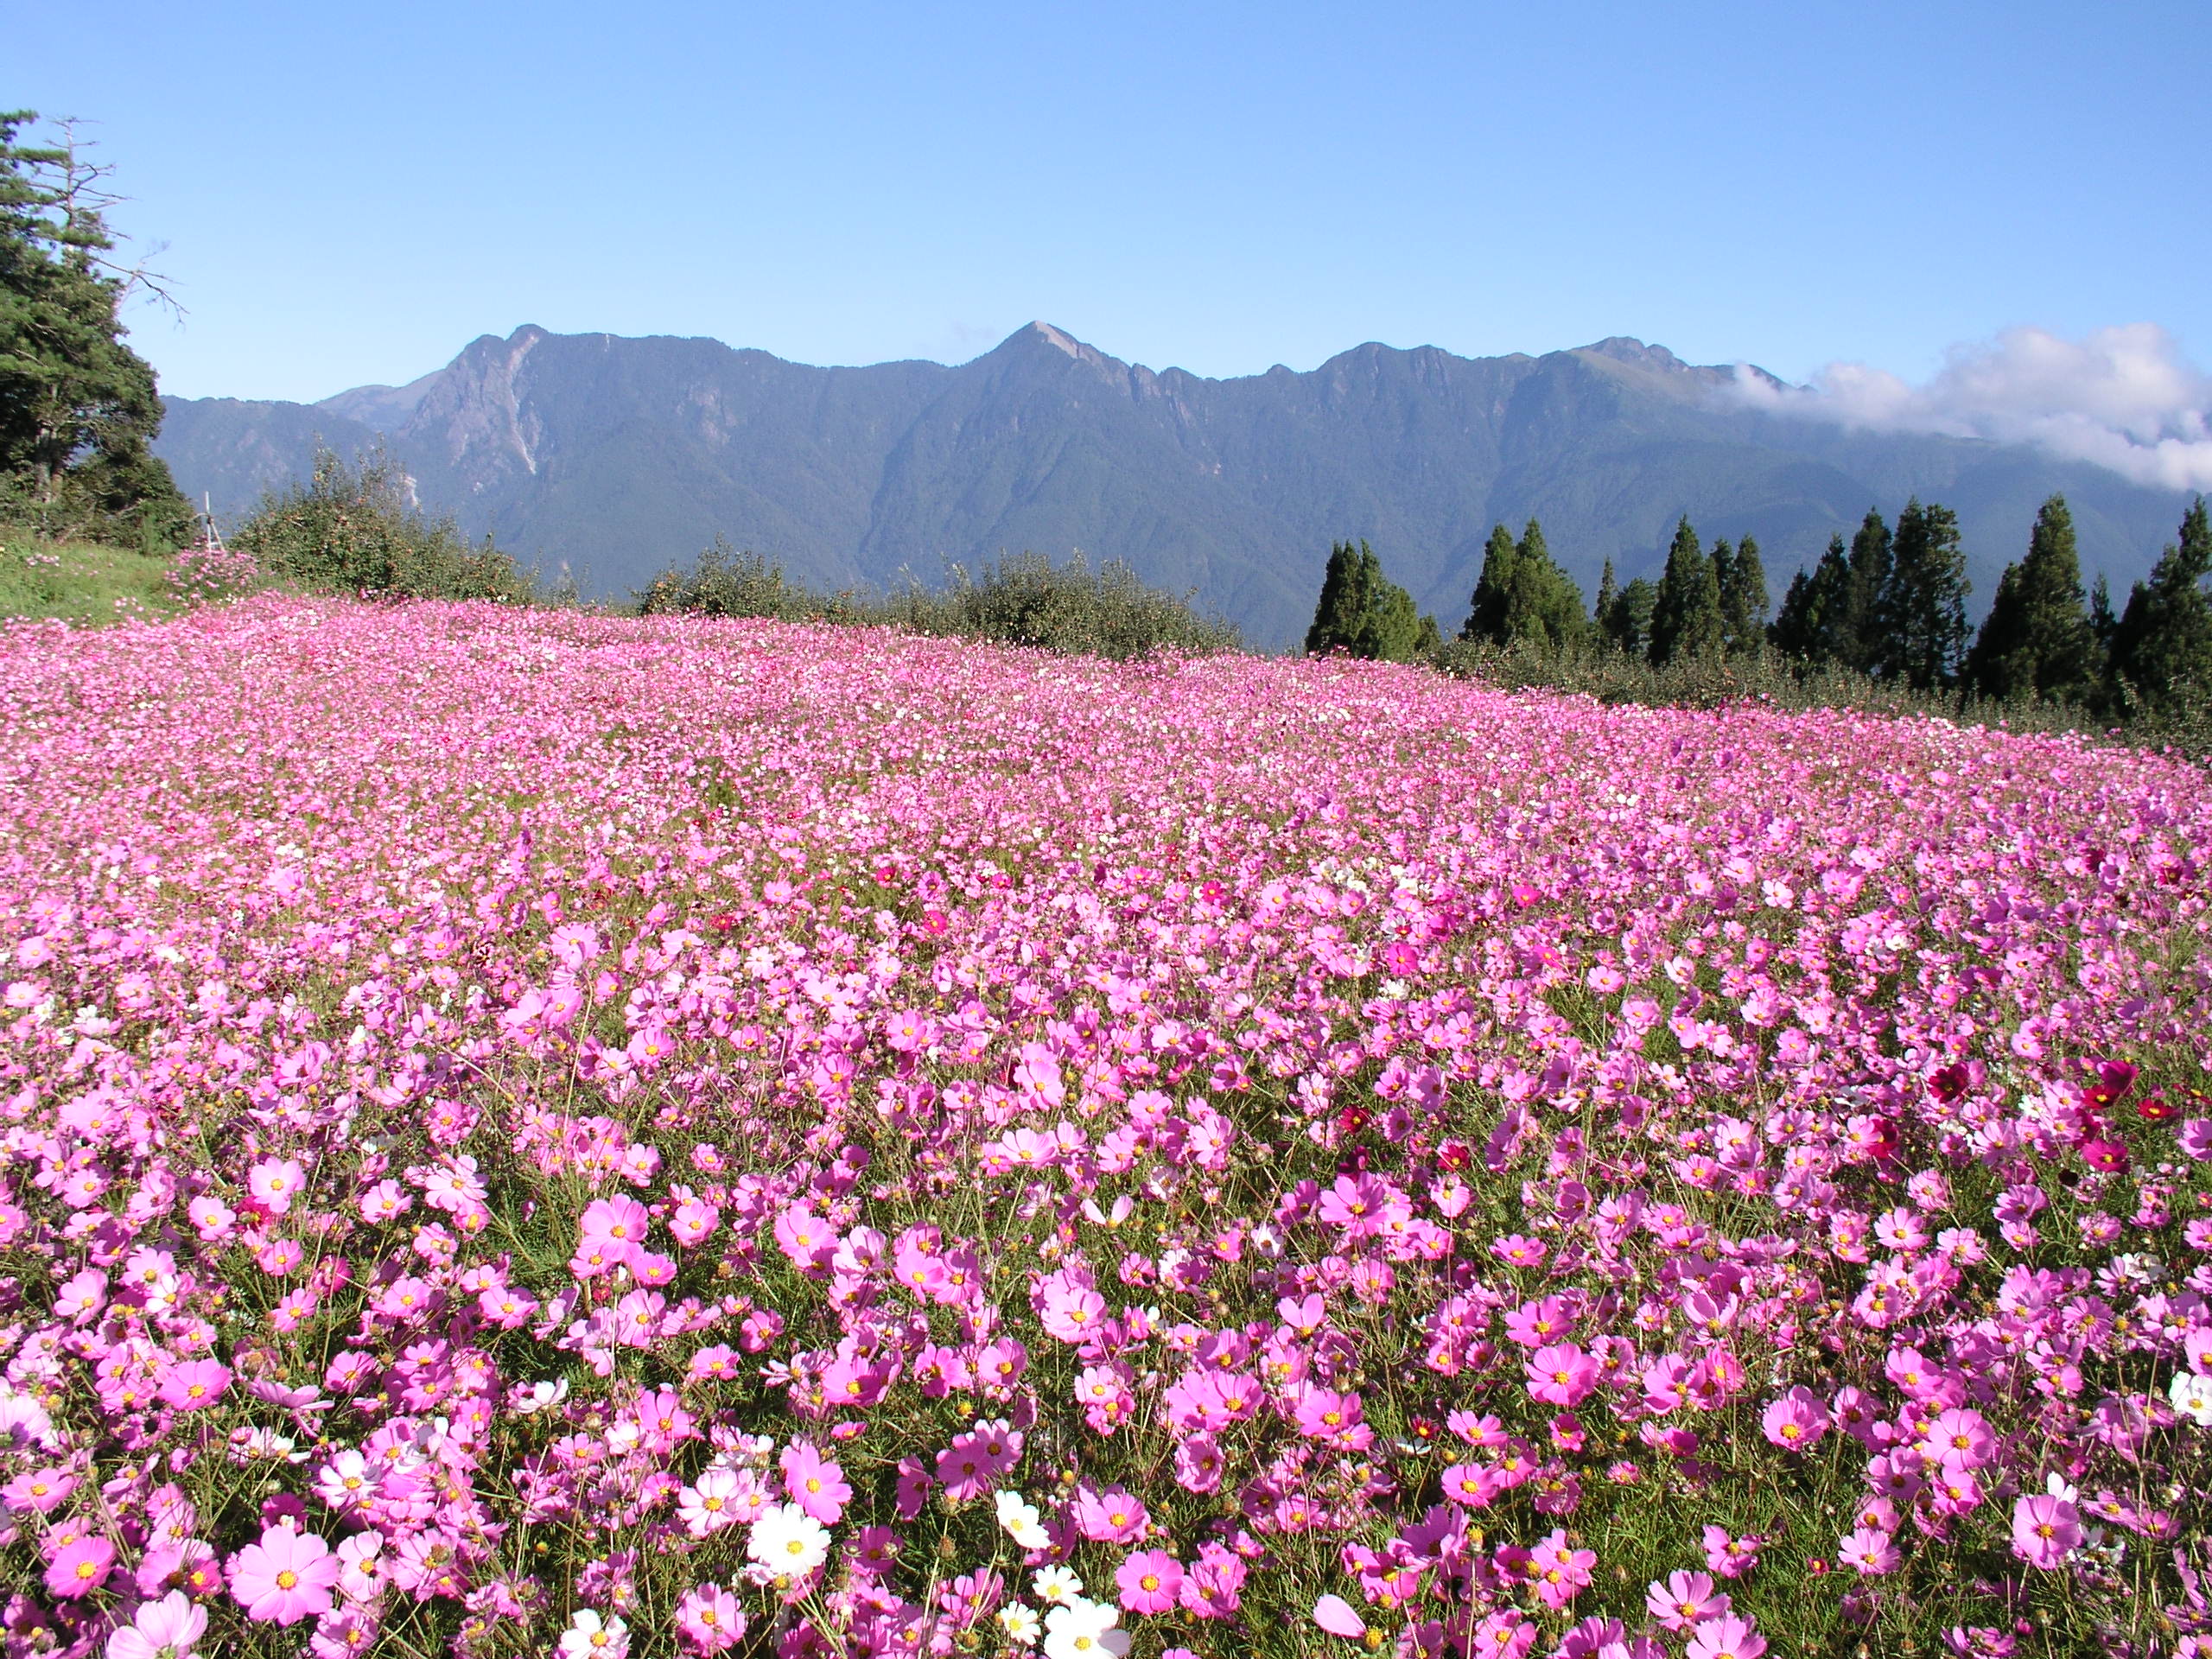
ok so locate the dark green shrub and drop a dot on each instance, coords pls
(724, 580)
(1026, 600)
(350, 529)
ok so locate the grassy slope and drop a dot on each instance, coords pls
(79, 582)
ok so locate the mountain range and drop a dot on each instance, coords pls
(615, 457)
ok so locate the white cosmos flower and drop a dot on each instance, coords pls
(1021, 1521)
(1020, 1624)
(1085, 1629)
(590, 1636)
(1056, 1584)
(788, 1542)
(2192, 1394)
(544, 1396)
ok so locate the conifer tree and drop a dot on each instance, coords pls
(2037, 641)
(2162, 647)
(1813, 622)
(1363, 613)
(1742, 577)
(1858, 630)
(1486, 608)
(1627, 620)
(1609, 593)
(1686, 621)
(77, 407)
(1336, 618)
(1920, 618)
(1544, 607)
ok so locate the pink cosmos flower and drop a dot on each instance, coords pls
(615, 1227)
(1150, 1581)
(1339, 1618)
(1731, 1556)
(40, 1492)
(1796, 1420)
(1725, 1638)
(814, 1484)
(285, 1578)
(195, 1385)
(1870, 1551)
(1685, 1598)
(1111, 1516)
(709, 1618)
(2046, 1529)
(1561, 1374)
(80, 1567)
(275, 1182)
(168, 1629)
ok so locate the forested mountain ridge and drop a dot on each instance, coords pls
(620, 455)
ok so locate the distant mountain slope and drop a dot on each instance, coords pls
(617, 455)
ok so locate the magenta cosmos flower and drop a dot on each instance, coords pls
(2045, 1530)
(815, 1483)
(1149, 1581)
(285, 1578)
(80, 1567)
(1725, 1638)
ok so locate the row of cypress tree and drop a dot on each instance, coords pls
(1890, 604)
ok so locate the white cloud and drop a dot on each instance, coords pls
(2123, 397)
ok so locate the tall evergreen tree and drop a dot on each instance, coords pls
(1545, 606)
(77, 407)
(1686, 621)
(2037, 641)
(2162, 647)
(1336, 617)
(1814, 622)
(1493, 588)
(1742, 577)
(1363, 613)
(1857, 633)
(1609, 593)
(1921, 616)
(1627, 623)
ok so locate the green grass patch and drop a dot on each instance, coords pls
(80, 583)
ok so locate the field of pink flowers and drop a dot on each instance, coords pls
(528, 1132)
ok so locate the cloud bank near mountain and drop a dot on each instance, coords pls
(2124, 398)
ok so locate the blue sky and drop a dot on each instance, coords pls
(350, 198)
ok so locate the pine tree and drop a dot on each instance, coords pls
(77, 407)
(1813, 623)
(2036, 641)
(1336, 618)
(1364, 613)
(1742, 577)
(1686, 621)
(2162, 647)
(1921, 616)
(1493, 588)
(1608, 594)
(1857, 632)
(1544, 607)
(1628, 619)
